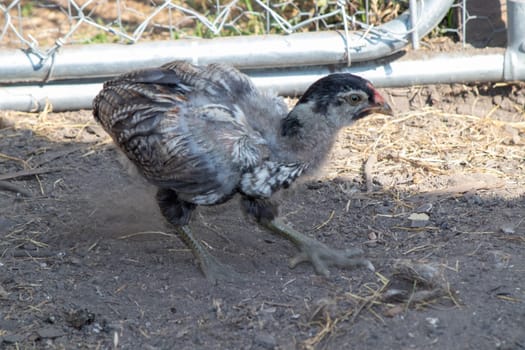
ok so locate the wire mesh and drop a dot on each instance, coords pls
(42, 27)
(478, 26)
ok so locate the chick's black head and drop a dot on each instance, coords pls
(336, 90)
(333, 102)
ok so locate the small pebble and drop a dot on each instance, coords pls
(508, 229)
(50, 332)
(394, 311)
(425, 208)
(418, 219)
(433, 321)
(51, 319)
(12, 338)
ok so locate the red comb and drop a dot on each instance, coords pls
(377, 96)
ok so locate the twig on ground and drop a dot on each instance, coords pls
(28, 172)
(367, 170)
(7, 186)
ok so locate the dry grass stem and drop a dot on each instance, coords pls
(135, 234)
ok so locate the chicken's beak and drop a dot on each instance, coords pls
(381, 108)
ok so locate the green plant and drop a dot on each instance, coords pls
(27, 9)
(99, 38)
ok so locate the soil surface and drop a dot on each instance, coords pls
(434, 196)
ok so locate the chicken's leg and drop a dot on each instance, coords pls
(310, 250)
(178, 213)
(210, 266)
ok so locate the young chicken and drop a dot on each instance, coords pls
(203, 134)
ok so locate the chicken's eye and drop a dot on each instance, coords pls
(354, 99)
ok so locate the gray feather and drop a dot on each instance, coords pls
(183, 129)
(206, 132)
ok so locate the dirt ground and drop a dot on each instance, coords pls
(434, 195)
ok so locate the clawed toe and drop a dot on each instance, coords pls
(318, 254)
(322, 256)
(319, 265)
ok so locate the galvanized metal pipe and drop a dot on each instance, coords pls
(425, 69)
(515, 55)
(301, 49)
(414, 19)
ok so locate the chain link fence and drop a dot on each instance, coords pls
(42, 27)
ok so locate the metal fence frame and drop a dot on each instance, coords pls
(287, 64)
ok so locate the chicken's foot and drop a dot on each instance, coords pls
(318, 254)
